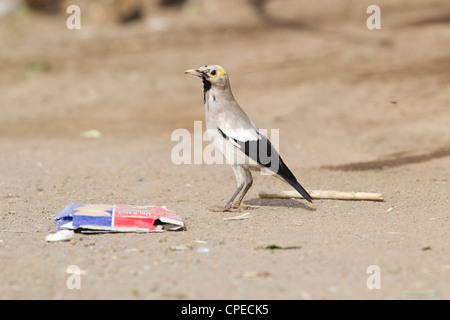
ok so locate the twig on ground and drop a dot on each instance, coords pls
(325, 194)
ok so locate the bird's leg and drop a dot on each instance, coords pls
(248, 185)
(230, 202)
(240, 182)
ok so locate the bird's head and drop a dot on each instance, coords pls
(211, 75)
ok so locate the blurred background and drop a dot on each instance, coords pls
(312, 69)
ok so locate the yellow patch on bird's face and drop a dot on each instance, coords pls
(216, 72)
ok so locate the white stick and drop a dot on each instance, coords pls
(241, 217)
(325, 194)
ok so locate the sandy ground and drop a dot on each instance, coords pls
(357, 110)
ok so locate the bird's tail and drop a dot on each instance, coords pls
(297, 186)
(288, 176)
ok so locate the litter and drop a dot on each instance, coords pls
(87, 218)
(62, 235)
(91, 134)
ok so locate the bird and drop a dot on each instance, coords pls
(236, 136)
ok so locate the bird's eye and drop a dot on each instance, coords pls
(213, 72)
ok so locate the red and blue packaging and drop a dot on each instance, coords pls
(119, 218)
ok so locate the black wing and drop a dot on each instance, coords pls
(265, 154)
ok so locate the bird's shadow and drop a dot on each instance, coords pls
(288, 203)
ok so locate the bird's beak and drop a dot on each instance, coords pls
(194, 72)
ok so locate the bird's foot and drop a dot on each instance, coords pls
(240, 207)
(227, 209)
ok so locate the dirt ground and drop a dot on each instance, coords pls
(357, 109)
